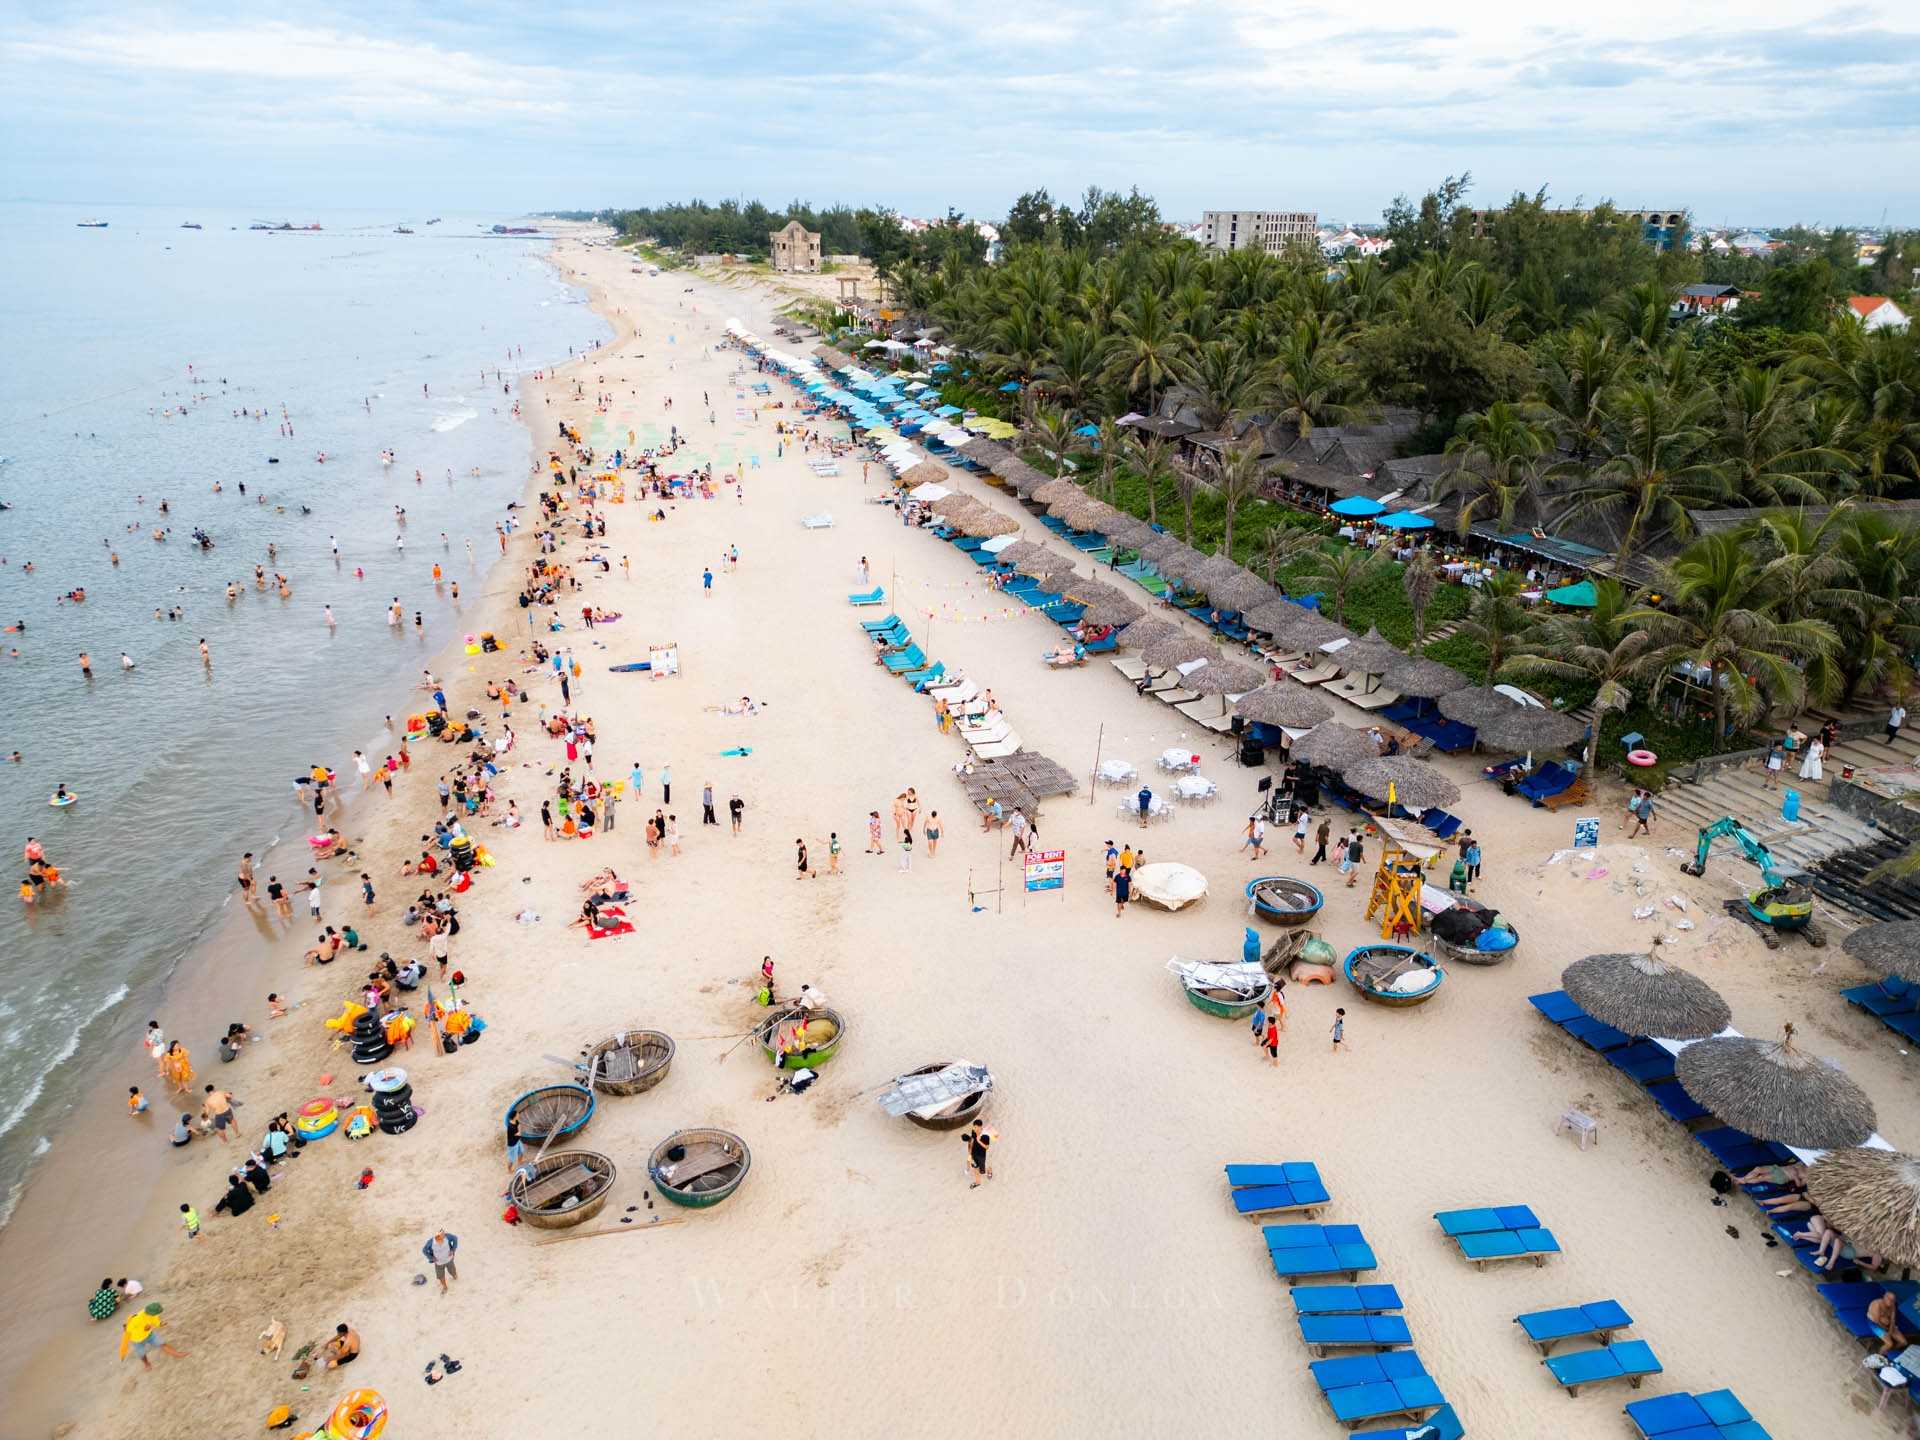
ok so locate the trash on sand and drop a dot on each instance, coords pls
(1678, 902)
(1645, 912)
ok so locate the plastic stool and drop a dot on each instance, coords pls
(1581, 1124)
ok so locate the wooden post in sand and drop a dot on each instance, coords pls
(1093, 783)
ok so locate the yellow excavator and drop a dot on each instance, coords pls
(1784, 902)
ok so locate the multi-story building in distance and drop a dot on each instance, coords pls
(1269, 230)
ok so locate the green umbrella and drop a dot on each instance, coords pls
(1581, 596)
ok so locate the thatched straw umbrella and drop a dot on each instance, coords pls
(1126, 530)
(1775, 1091)
(1079, 513)
(1058, 488)
(1242, 592)
(986, 452)
(1117, 610)
(1271, 616)
(1892, 947)
(925, 473)
(948, 506)
(1531, 729)
(1415, 783)
(1643, 995)
(1100, 516)
(1022, 551)
(1090, 590)
(1425, 679)
(1334, 746)
(1150, 631)
(1020, 475)
(1476, 705)
(985, 522)
(1178, 649)
(1371, 654)
(1873, 1198)
(1284, 703)
(1225, 677)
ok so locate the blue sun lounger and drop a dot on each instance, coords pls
(1850, 1301)
(1501, 1232)
(1373, 1299)
(1643, 1061)
(871, 597)
(1596, 1319)
(1680, 1107)
(1353, 1332)
(1556, 1005)
(1301, 1250)
(1629, 1360)
(874, 627)
(1442, 1424)
(1373, 1387)
(1271, 1189)
(911, 658)
(1716, 1415)
(932, 675)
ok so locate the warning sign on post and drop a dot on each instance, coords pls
(1046, 869)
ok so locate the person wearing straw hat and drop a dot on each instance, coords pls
(141, 1334)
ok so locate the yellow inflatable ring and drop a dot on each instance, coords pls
(362, 1415)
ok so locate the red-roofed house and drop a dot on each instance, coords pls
(1877, 312)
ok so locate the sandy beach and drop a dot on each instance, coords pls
(1100, 1283)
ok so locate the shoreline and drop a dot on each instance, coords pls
(62, 1183)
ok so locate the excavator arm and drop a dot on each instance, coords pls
(1749, 844)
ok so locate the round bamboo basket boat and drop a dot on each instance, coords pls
(699, 1168)
(1367, 966)
(1283, 900)
(815, 1052)
(1469, 955)
(1225, 1003)
(552, 1110)
(630, 1061)
(562, 1188)
(948, 1117)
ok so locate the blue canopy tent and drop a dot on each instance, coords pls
(1406, 520)
(949, 410)
(1581, 596)
(1356, 506)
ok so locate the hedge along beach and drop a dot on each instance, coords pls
(1094, 1276)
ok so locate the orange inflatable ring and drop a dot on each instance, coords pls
(1641, 758)
(314, 1109)
(362, 1415)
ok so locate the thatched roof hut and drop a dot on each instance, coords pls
(1643, 995)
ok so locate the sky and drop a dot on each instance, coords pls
(1769, 111)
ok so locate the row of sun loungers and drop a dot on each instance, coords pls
(990, 737)
(1893, 1002)
(1651, 1066)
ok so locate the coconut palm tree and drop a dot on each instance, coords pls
(1882, 633)
(1221, 380)
(1340, 571)
(1020, 344)
(1147, 348)
(1577, 374)
(1763, 437)
(1658, 465)
(1075, 363)
(1498, 452)
(1151, 461)
(1281, 544)
(1809, 576)
(1311, 380)
(1048, 433)
(1594, 646)
(1497, 619)
(1420, 579)
(1186, 484)
(1722, 617)
(1879, 374)
(1236, 479)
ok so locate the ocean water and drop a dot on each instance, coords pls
(128, 352)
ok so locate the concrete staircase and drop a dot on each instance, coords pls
(1738, 791)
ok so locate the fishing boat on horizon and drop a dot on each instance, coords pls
(401, 230)
(90, 224)
(434, 221)
(191, 225)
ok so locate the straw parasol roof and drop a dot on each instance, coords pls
(1225, 677)
(1425, 679)
(1892, 947)
(1308, 629)
(1177, 649)
(1090, 590)
(1416, 784)
(1371, 654)
(1334, 746)
(1127, 530)
(1101, 515)
(1643, 995)
(1476, 705)
(1216, 570)
(1271, 616)
(1148, 632)
(1284, 703)
(1020, 475)
(948, 506)
(1530, 729)
(985, 522)
(925, 473)
(1058, 488)
(1116, 610)
(1243, 591)
(1775, 1091)
(1022, 551)
(1873, 1198)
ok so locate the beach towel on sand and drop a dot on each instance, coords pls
(621, 925)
